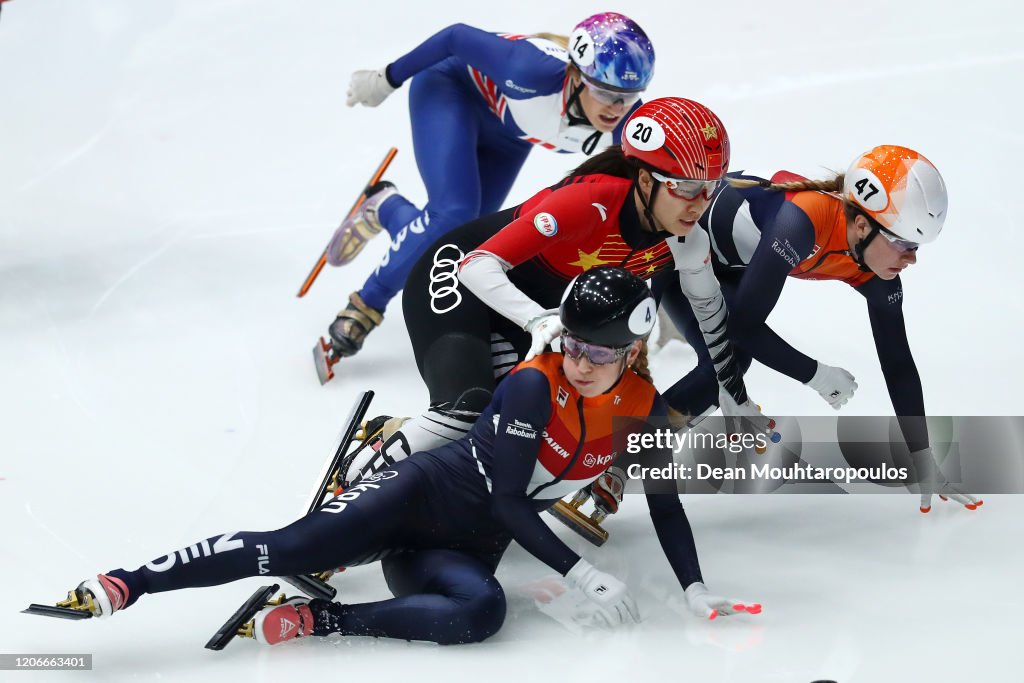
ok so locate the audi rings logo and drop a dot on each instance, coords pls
(444, 283)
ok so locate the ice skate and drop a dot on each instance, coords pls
(99, 596)
(588, 527)
(360, 227)
(281, 622)
(354, 322)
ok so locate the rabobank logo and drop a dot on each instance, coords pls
(545, 224)
(520, 428)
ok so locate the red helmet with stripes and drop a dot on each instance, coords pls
(679, 137)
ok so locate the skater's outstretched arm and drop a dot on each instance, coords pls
(525, 410)
(498, 57)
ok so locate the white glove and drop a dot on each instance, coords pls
(933, 481)
(608, 594)
(544, 329)
(746, 418)
(835, 385)
(607, 490)
(369, 88)
(708, 606)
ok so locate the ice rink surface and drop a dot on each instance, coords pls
(169, 172)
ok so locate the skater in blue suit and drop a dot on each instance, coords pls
(479, 102)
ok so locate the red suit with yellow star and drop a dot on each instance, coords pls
(562, 231)
(460, 342)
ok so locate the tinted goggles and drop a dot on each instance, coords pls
(611, 97)
(686, 188)
(575, 348)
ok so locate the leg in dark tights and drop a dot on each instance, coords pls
(445, 596)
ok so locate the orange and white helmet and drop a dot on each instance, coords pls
(901, 190)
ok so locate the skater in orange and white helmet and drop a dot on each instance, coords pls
(864, 228)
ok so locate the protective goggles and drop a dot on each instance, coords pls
(686, 188)
(901, 245)
(575, 348)
(611, 97)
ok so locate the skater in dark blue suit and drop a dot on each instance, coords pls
(478, 103)
(442, 519)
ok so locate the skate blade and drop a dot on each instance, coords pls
(58, 612)
(312, 586)
(241, 616)
(578, 522)
(324, 360)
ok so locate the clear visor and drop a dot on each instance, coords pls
(687, 188)
(901, 245)
(611, 97)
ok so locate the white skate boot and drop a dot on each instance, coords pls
(359, 228)
(101, 595)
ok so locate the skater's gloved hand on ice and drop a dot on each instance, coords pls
(368, 88)
(544, 329)
(932, 481)
(609, 595)
(746, 417)
(707, 605)
(835, 385)
(606, 491)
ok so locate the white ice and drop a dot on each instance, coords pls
(169, 171)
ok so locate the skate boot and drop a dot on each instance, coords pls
(354, 322)
(277, 623)
(359, 228)
(367, 459)
(99, 596)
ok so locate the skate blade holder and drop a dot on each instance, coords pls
(72, 608)
(314, 585)
(240, 624)
(588, 527)
(324, 360)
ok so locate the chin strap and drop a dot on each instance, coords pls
(577, 117)
(858, 249)
(648, 203)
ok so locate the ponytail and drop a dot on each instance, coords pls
(833, 185)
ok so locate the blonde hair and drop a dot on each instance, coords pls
(556, 38)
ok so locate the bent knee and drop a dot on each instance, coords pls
(480, 617)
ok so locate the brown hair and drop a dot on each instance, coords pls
(610, 161)
(641, 365)
(835, 185)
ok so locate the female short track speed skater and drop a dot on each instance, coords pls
(481, 298)
(442, 519)
(863, 228)
(478, 103)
